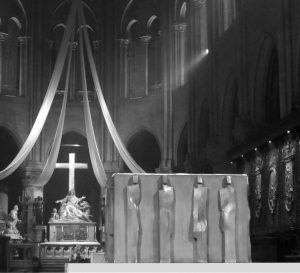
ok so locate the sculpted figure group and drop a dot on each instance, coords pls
(72, 209)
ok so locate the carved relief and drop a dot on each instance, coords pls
(273, 180)
(258, 165)
(288, 154)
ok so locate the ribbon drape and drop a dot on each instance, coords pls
(92, 144)
(44, 110)
(130, 162)
(52, 158)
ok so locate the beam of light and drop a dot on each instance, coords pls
(196, 61)
(71, 145)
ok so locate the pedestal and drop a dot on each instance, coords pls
(72, 232)
(39, 233)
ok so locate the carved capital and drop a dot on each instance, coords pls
(123, 42)
(3, 36)
(23, 40)
(50, 44)
(145, 39)
(96, 44)
(75, 45)
(180, 27)
(198, 3)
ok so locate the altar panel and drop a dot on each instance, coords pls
(183, 244)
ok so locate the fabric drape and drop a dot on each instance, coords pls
(130, 162)
(44, 110)
(53, 155)
(92, 144)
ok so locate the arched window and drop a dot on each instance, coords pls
(227, 10)
(272, 100)
(145, 150)
(154, 55)
(135, 61)
(11, 61)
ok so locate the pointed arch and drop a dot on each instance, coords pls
(145, 150)
(266, 61)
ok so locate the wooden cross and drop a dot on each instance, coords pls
(71, 165)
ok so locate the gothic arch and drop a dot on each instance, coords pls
(180, 11)
(14, 9)
(129, 13)
(145, 150)
(264, 58)
(65, 132)
(230, 109)
(9, 149)
(11, 60)
(60, 14)
(11, 131)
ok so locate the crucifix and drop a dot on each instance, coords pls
(71, 165)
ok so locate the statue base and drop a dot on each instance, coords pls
(72, 231)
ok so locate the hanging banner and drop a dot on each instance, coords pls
(53, 155)
(130, 162)
(44, 110)
(92, 144)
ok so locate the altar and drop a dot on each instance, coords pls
(181, 218)
(72, 232)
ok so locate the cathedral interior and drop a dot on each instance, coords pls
(192, 86)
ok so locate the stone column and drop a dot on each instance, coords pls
(3, 205)
(23, 65)
(123, 68)
(145, 40)
(3, 37)
(180, 34)
(31, 191)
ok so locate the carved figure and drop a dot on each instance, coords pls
(288, 152)
(54, 216)
(133, 228)
(257, 190)
(200, 220)
(73, 209)
(273, 182)
(228, 219)
(11, 224)
(166, 216)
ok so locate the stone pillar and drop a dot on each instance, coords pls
(167, 46)
(145, 40)
(3, 37)
(180, 34)
(108, 233)
(3, 205)
(23, 65)
(123, 67)
(31, 191)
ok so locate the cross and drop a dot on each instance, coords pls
(71, 165)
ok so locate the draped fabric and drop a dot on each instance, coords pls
(52, 158)
(44, 110)
(92, 144)
(132, 165)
